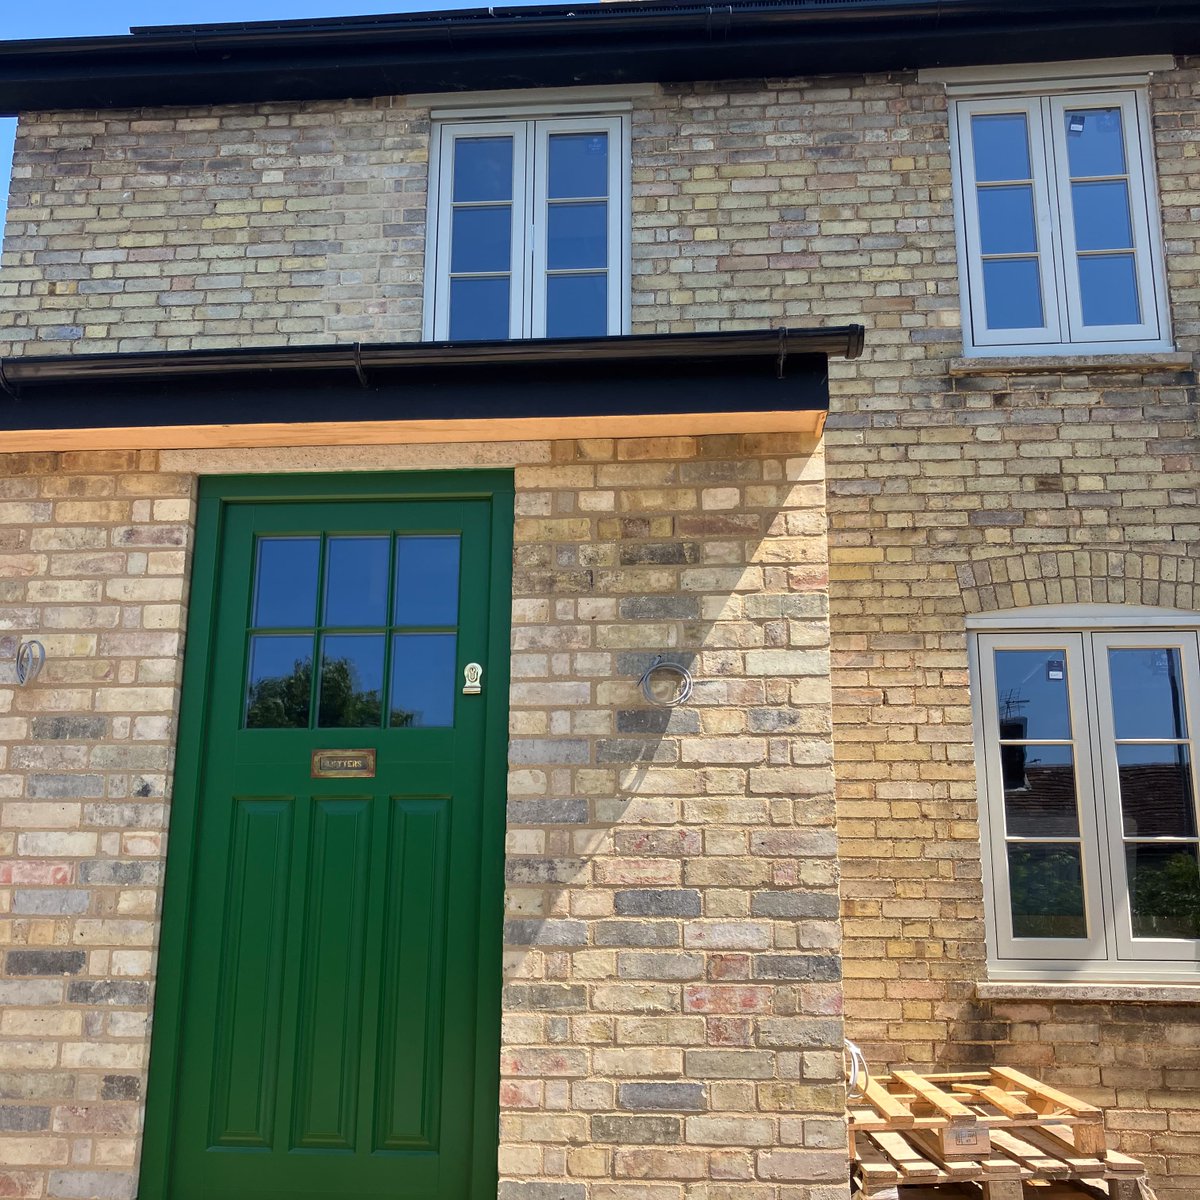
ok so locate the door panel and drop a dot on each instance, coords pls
(246, 1051)
(325, 1091)
(329, 1041)
(411, 1009)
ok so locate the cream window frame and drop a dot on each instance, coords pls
(530, 133)
(1063, 330)
(1082, 635)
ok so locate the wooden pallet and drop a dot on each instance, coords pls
(998, 1133)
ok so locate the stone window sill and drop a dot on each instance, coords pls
(1124, 993)
(1073, 364)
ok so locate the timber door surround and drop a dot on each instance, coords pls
(327, 1014)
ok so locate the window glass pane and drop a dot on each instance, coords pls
(479, 309)
(1039, 791)
(483, 168)
(1006, 224)
(279, 682)
(1156, 791)
(427, 580)
(1046, 886)
(1013, 293)
(577, 236)
(356, 580)
(1164, 891)
(1095, 143)
(576, 305)
(578, 164)
(481, 239)
(1147, 692)
(423, 680)
(1031, 695)
(1102, 218)
(1108, 288)
(351, 681)
(285, 582)
(1001, 143)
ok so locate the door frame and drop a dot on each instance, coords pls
(215, 495)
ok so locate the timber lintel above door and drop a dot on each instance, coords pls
(759, 381)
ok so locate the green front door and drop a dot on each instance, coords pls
(326, 1023)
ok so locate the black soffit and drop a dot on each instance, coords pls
(587, 44)
(756, 371)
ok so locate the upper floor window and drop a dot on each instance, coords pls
(1088, 793)
(1060, 240)
(529, 229)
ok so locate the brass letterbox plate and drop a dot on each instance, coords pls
(343, 764)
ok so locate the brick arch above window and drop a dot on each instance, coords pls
(1167, 581)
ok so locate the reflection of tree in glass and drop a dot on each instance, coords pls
(343, 706)
(281, 701)
(1166, 897)
(1047, 892)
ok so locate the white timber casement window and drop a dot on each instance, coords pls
(1086, 749)
(1059, 232)
(529, 228)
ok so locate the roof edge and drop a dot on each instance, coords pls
(21, 372)
(561, 45)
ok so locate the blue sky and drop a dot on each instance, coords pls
(88, 18)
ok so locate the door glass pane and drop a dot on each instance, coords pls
(1095, 143)
(285, 582)
(483, 168)
(1031, 695)
(577, 236)
(1156, 791)
(1039, 791)
(356, 580)
(1102, 218)
(578, 164)
(423, 680)
(351, 681)
(1006, 224)
(576, 305)
(479, 309)
(1164, 890)
(427, 580)
(1046, 886)
(481, 239)
(1147, 692)
(1012, 291)
(1001, 143)
(279, 682)
(1108, 289)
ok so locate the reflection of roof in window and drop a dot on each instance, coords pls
(1156, 801)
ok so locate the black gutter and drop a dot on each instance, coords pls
(564, 45)
(772, 370)
(844, 341)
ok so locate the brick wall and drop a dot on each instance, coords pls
(202, 228)
(672, 1010)
(93, 562)
(956, 489)
(754, 203)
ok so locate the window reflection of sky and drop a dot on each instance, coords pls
(1032, 706)
(1147, 693)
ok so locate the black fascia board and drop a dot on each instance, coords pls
(588, 44)
(774, 370)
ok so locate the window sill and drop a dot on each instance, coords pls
(1124, 993)
(1073, 364)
